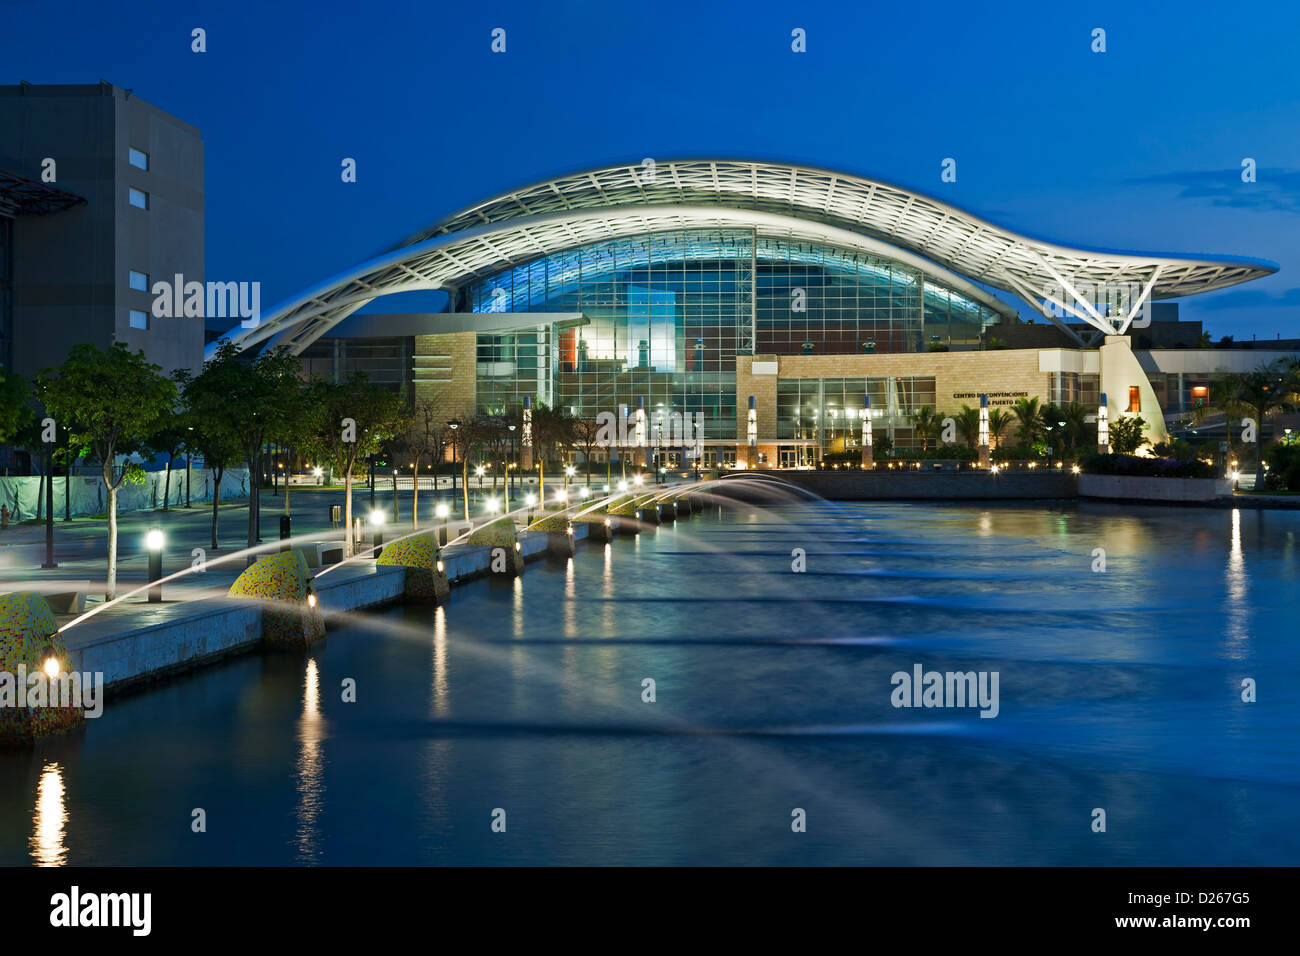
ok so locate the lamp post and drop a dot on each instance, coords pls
(377, 530)
(511, 426)
(984, 431)
(189, 459)
(49, 499)
(568, 473)
(441, 512)
(751, 433)
(453, 425)
(153, 542)
(868, 452)
(1103, 427)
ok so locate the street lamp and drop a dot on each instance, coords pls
(453, 425)
(493, 505)
(153, 542)
(377, 526)
(441, 511)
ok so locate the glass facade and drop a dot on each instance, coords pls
(828, 410)
(1066, 387)
(386, 361)
(664, 315)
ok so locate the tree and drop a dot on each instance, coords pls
(999, 421)
(15, 412)
(1267, 389)
(926, 422)
(262, 398)
(350, 421)
(968, 425)
(215, 433)
(586, 434)
(425, 437)
(1029, 417)
(1075, 417)
(167, 440)
(110, 401)
(1126, 434)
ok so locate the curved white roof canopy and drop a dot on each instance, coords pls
(778, 200)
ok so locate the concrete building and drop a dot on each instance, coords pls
(86, 273)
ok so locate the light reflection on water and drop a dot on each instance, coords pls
(1119, 690)
(49, 819)
(311, 766)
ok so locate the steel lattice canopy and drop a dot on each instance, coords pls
(772, 199)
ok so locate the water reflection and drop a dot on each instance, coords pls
(51, 818)
(1238, 606)
(311, 766)
(439, 661)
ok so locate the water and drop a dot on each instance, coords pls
(1118, 690)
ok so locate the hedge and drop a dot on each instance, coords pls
(1136, 466)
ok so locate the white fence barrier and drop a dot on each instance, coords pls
(87, 495)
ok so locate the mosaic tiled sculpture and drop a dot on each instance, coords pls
(292, 617)
(28, 639)
(426, 576)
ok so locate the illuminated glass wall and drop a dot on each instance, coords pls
(664, 316)
(828, 410)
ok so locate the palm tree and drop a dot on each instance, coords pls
(1029, 416)
(1270, 388)
(1075, 417)
(1225, 397)
(968, 425)
(925, 422)
(999, 421)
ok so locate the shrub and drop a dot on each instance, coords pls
(1126, 434)
(942, 453)
(1136, 466)
(1021, 452)
(1283, 472)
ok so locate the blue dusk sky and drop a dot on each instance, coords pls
(1137, 148)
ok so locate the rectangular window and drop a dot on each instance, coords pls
(139, 320)
(138, 198)
(1134, 399)
(139, 281)
(138, 158)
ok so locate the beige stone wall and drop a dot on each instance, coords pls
(959, 378)
(445, 367)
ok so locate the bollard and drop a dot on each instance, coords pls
(285, 523)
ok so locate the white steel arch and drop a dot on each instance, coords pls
(777, 200)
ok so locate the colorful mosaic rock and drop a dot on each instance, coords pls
(28, 636)
(500, 534)
(420, 556)
(293, 617)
